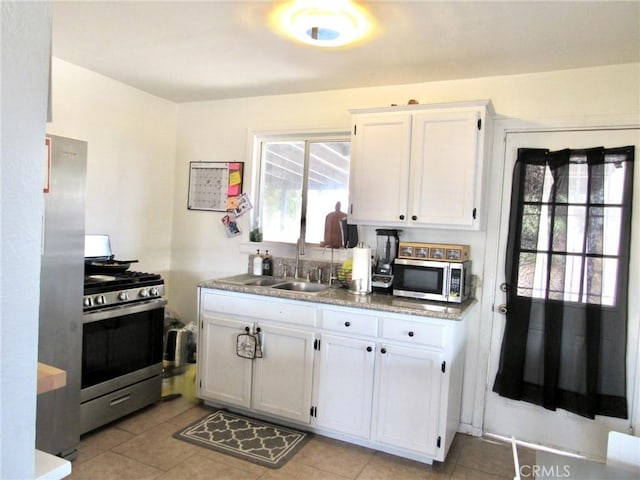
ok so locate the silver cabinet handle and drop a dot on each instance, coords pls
(118, 401)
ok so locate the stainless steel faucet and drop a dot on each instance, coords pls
(332, 275)
(299, 251)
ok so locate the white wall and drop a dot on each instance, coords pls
(25, 41)
(220, 131)
(131, 151)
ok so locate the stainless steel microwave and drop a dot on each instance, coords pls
(432, 280)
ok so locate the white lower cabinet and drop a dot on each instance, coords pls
(394, 380)
(387, 381)
(345, 385)
(223, 375)
(282, 378)
(279, 383)
(408, 384)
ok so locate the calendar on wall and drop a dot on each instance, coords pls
(214, 186)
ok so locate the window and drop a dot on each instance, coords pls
(571, 227)
(301, 179)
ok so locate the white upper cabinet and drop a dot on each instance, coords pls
(379, 178)
(444, 163)
(420, 166)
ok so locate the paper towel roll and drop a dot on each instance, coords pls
(361, 273)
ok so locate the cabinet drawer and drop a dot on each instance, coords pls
(413, 332)
(114, 405)
(260, 308)
(350, 322)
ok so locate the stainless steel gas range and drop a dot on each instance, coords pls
(122, 345)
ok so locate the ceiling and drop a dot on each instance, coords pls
(187, 51)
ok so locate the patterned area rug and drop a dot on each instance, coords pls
(246, 438)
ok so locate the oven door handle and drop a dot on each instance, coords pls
(121, 310)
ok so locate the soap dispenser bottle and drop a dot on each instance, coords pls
(267, 264)
(257, 263)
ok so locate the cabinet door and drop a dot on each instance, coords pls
(283, 376)
(379, 178)
(223, 375)
(445, 179)
(408, 398)
(345, 385)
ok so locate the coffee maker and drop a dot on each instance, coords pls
(386, 252)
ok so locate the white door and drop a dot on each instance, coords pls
(345, 385)
(223, 375)
(525, 421)
(282, 378)
(408, 386)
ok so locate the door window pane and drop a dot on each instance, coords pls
(571, 229)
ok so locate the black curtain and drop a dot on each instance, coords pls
(567, 267)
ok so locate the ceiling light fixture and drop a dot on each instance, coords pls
(323, 23)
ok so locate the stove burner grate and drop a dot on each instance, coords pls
(99, 278)
(129, 279)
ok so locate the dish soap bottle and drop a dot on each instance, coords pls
(257, 263)
(267, 264)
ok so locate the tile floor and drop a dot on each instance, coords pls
(141, 446)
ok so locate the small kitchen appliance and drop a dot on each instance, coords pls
(433, 272)
(175, 355)
(386, 252)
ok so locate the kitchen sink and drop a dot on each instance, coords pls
(287, 284)
(264, 282)
(302, 287)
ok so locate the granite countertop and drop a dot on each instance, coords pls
(343, 297)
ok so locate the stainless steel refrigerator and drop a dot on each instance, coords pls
(61, 293)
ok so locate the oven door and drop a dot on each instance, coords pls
(121, 346)
(420, 279)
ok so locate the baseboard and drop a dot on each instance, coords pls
(469, 430)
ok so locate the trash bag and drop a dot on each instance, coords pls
(171, 320)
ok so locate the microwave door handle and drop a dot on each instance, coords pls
(446, 283)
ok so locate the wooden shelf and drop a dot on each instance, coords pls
(50, 378)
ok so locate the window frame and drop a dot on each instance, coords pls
(581, 256)
(306, 136)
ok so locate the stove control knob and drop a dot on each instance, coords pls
(123, 296)
(100, 300)
(154, 292)
(144, 293)
(87, 302)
